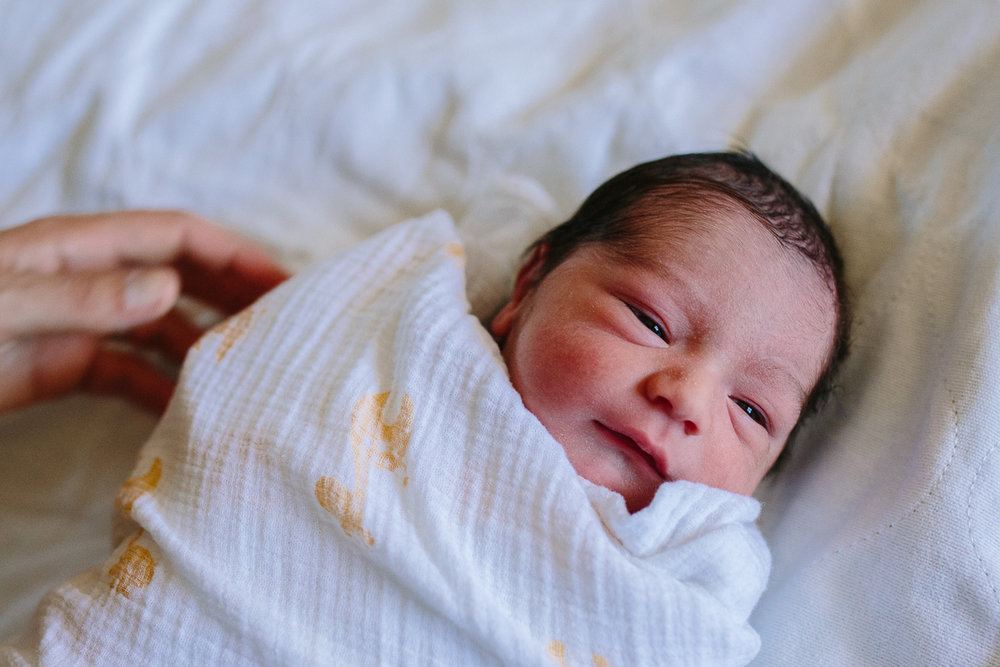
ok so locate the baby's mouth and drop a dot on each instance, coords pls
(627, 443)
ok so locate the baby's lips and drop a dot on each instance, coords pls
(631, 439)
(659, 461)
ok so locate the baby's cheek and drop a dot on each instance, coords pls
(730, 470)
(547, 375)
(567, 362)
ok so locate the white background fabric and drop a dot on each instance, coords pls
(310, 125)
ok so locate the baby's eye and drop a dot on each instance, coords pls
(752, 411)
(648, 322)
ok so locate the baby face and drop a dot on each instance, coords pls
(691, 362)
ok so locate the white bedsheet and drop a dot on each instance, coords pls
(310, 125)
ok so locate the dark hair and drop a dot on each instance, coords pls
(617, 215)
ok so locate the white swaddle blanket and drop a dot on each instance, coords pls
(346, 476)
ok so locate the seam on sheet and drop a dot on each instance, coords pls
(922, 500)
(919, 503)
(972, 533)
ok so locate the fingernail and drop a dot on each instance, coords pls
(143, 289)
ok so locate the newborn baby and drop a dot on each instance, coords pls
(352, 472)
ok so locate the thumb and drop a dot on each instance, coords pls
(98, 302)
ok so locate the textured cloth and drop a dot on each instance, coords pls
(346, 475)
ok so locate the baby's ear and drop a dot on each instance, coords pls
(527, 279)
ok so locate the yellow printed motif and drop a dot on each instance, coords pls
(136, 487)
(557, 651)
(457, 253)
(373, 442)
(231, 331)
(134, 569)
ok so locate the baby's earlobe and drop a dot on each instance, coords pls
(502, 321)
(528, 277)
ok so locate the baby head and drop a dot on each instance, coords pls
(679, 325)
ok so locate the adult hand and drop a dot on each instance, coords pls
(70, 284)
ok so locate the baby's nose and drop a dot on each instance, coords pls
(684, 393)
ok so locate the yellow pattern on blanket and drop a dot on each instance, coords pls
(134, 569)
(373, 442)
(136, 487)
(557, 651)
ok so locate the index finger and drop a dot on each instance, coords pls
(106, 240)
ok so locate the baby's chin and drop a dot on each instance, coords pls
(637, 487)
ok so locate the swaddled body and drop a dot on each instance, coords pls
(347, 476)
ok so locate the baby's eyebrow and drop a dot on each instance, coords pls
(779, 373)
(697, 298)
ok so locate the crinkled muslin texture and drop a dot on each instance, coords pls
(346, 475)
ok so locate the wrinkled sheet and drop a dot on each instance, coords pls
(346, 474)
(311, 125)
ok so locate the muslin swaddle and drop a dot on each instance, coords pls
(346, 476)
